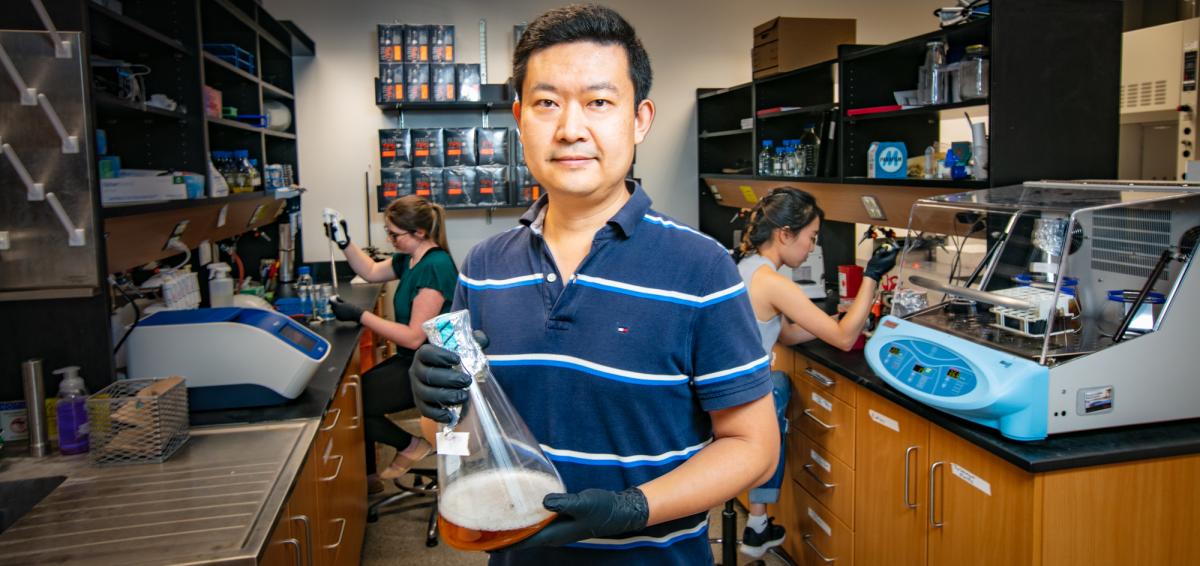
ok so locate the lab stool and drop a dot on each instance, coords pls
(729, 541)
(424, 484)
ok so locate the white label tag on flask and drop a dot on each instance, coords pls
(453, 443)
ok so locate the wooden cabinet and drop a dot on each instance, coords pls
(892, 451)
(324, 521)
(977, 502)
(923, 496)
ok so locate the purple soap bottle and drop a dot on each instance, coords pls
(72, 412)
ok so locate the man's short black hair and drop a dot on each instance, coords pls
(584, 22)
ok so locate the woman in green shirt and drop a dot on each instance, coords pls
(417, 229)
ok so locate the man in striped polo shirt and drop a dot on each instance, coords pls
(624, 339)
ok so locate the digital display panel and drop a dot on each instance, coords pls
(919, 368)
(295, 336)
(952, 374)
(894, 351)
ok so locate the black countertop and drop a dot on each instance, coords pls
(343, 339)
(1058, 452)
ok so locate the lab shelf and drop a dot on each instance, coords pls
(730, 177)
(707, 135)
(272, 91)
(125, 108)
(465, 105)
(214, 60)
(921, 110)
(807, 110)
(119, 210)
(138, 27)
(964, 184)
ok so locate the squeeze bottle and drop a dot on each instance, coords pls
(72, 412)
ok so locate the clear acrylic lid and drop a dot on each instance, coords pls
(1028, 268)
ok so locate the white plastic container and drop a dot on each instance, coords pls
(220, 285)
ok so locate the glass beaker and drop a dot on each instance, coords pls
(973, 73)
(932, 85)
(492, 474)
(321, 307)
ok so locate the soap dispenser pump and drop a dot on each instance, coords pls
(72, 412)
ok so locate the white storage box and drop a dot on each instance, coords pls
(140, 185)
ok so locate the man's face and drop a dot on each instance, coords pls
(578, 120)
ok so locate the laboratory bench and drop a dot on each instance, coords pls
(874, 477)
(274, 485)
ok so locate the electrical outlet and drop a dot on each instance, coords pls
(176, 234)
(874, 210)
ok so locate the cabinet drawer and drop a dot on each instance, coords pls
(783, 359)
(824, 539)
(826, 379)
(824, 477)
(826, 419)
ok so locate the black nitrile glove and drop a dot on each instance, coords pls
(345, 311)
(588, 514)
(881, 262)
(436, 382)
(339, 234)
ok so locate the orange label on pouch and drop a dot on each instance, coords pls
(488, 151)
(421, 153)
(390, 193)
(454, 152)
(424, 53)
(450, 92)
(397, 53)
(422, 192)
(537, 191)
(424, 92)
(486, 190)
(449, 52)
(389, 153)
(454, 192)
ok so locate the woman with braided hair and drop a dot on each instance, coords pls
(781, 230)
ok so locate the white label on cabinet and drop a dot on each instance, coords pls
(221, 215)
(823, 402)
(820, 461)
(972, 479)
(820, 522)
(884, 420)
(453, 443)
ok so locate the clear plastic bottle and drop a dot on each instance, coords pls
(71, 410)
(810, 151)
(304, 289)
(255, 177)
(778, 165)
(765, 165)
(973, 73)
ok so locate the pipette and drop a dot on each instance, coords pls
(335, 225)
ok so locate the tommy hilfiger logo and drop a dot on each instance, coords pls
(622, 330)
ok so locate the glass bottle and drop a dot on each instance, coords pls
(931, 87)
(810, 150)
(765, 166)
(973, 73)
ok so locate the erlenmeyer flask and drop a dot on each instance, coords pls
(491, 471)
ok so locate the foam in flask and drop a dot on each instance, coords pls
(492, 472)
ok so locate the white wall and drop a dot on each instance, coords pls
(692, 44)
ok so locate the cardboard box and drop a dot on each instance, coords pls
(391, 43)
(887, 160)
(140, 185)
(14, 424)
(786, 44)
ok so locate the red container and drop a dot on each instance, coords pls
(849, 280)
(212, 102)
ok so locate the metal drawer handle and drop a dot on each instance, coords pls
(336, 472)
(337, 414)
(308, 538)
(809, 468)
(907, 481)
(355, 382)
(808, 413)
(341, 534)
(820, 377)
(296, 545)
(808, 541)
(933, 494)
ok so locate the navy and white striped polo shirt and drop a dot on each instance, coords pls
(616, 372)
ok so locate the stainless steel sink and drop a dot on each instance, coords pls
(18, 497)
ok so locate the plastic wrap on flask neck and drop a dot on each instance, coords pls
(453, 332)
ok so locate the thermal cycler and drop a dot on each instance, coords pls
(230, 357)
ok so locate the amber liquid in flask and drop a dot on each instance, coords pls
(491, 511)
